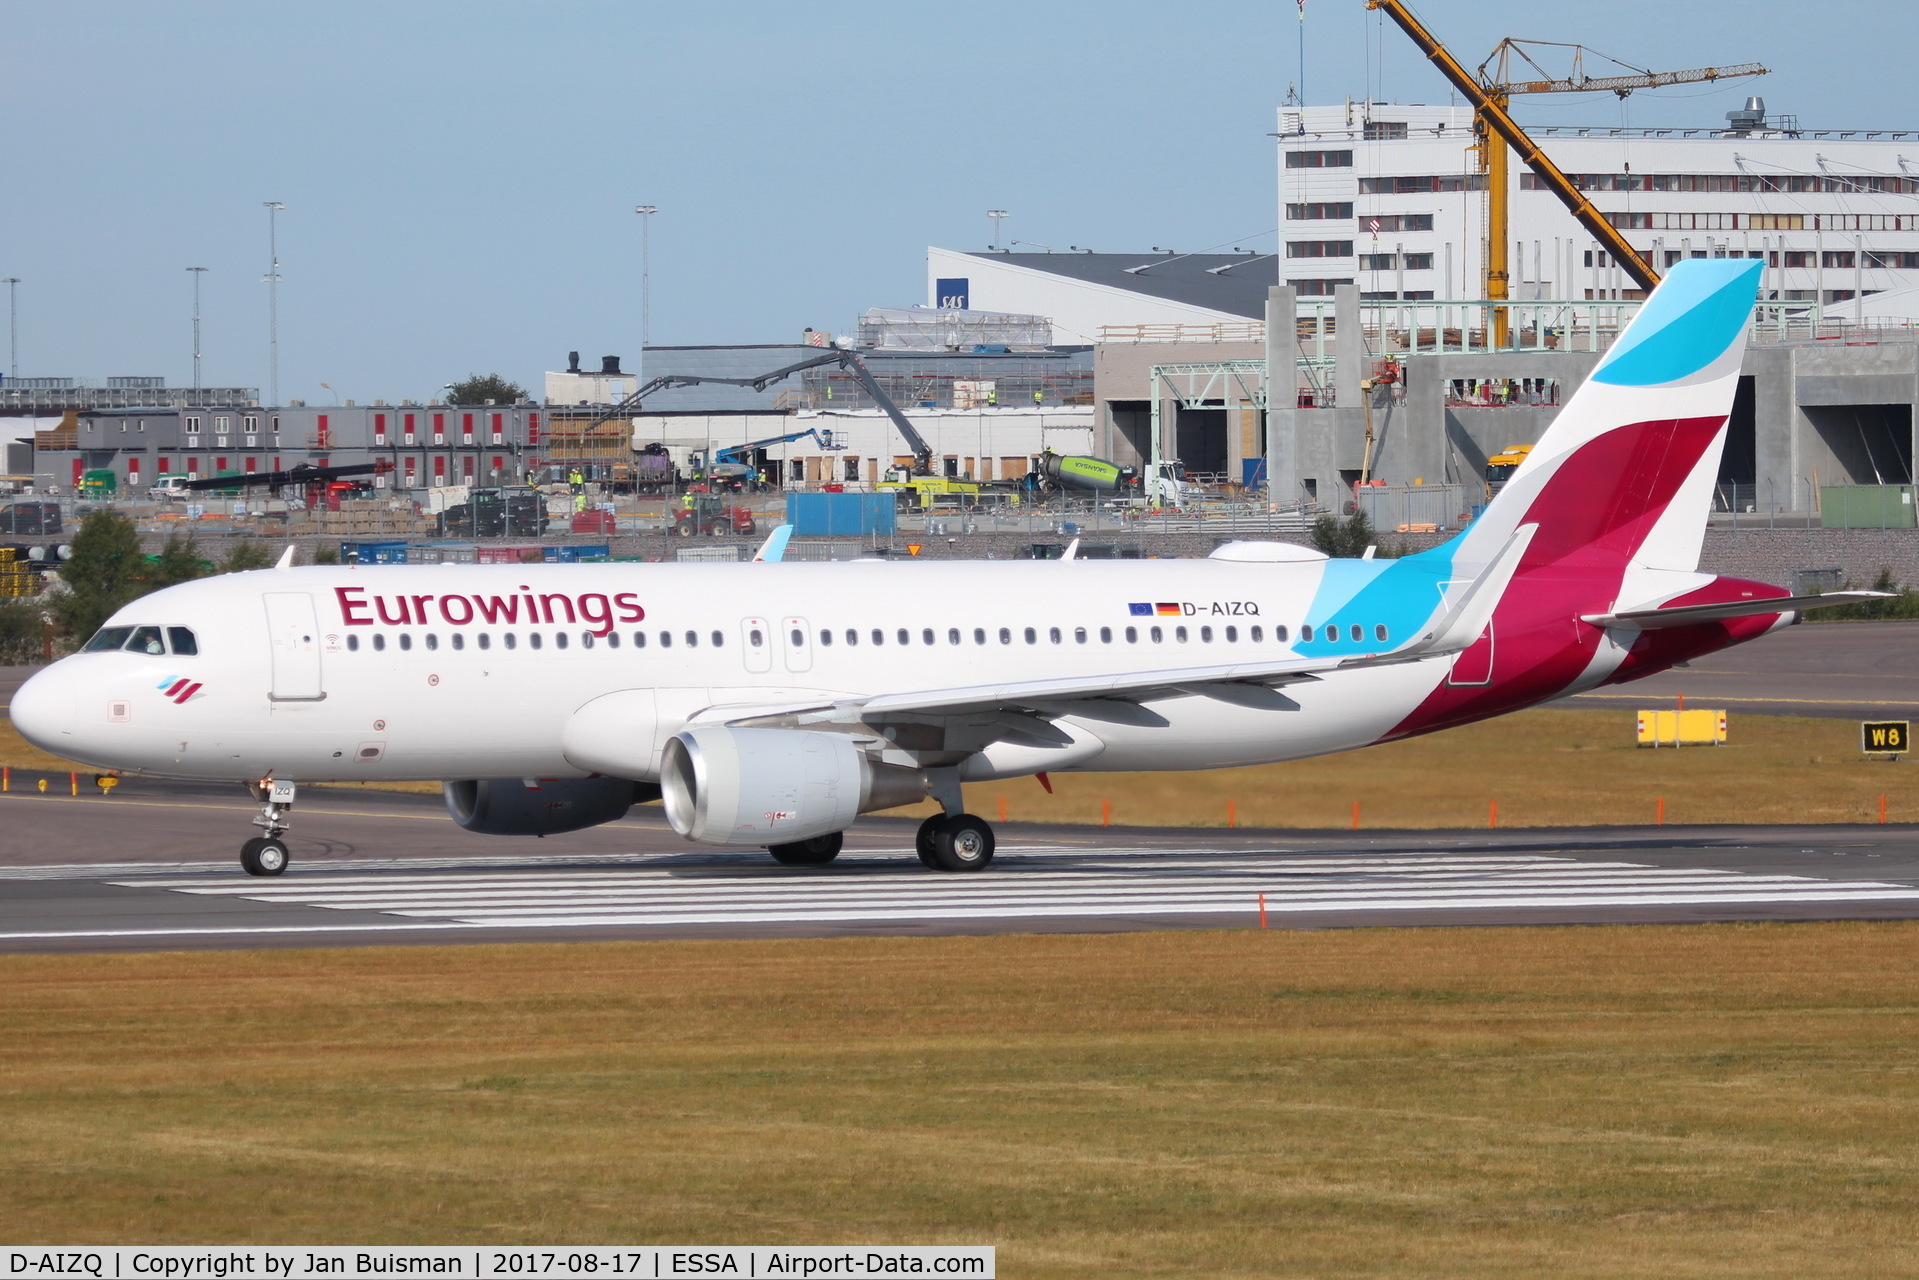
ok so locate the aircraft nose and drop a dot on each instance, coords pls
(42, 710)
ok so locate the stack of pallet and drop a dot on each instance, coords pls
(17, 577)
(362, 518)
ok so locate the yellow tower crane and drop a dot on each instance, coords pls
(1490, 92)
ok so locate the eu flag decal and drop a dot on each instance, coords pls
(1140, 610)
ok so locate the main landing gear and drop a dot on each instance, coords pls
(266, 855)
(959, 842)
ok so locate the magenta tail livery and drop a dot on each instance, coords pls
(772, 704)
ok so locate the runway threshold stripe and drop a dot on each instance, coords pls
(770, 881)
(576, 899)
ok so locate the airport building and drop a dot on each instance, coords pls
(426, 445)
(1380, 209)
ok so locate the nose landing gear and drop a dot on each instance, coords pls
(266, 855)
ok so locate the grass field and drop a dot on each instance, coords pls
(1546, 767)
(1711, 1100)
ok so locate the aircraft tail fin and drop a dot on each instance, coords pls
(1625, 472)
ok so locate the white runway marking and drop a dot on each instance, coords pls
(1030, 883)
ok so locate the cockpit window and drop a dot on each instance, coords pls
(182, 641)
(146, 640)
(107, 638)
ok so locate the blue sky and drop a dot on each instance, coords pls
(460, 177)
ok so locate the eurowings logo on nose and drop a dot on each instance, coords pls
(179, 689)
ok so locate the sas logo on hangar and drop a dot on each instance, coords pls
(179, 689)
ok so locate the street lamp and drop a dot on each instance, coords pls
(273, 208)
(13, 326)
(998, 216)
(646, 212)
(197, 272)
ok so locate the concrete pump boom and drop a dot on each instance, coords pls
(922, 452)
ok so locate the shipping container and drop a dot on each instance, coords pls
(1866, 506)
(815, 515)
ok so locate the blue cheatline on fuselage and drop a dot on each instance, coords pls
(1400, 594)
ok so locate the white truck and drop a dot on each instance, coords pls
(171, 489)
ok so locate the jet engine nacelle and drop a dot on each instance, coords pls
(542, 806)
(775, 786)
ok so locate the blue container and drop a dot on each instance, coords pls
(1252, 472)
(815, 515)
(574, 555)
(373, 553)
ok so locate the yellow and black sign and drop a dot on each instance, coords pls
(1885, 737)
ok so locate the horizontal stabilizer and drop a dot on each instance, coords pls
(1688, 615)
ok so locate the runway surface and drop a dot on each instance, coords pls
(379, 868)
(153, 866)
(1840, 670)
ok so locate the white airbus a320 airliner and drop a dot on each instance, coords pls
(772, 704)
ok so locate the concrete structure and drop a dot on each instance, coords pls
(574, 386)
(1809, 412)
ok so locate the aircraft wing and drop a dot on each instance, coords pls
(1688, 615)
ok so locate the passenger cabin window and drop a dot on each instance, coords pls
(379, 642)
(1306, 632)
(458, 640)
(1106, 635)
(1206, 634)
(1379, 633)
(1359, 632)
(719, 639)
(1006, 635)
(926, 637)
(511, 640)
(181, 640)
(532, 639)
(1032, 636)
(692, 639)
(353, 644)
(952, 635)
(979, 635)
(666, 639)
(406, 640)
(1279, 634)
(879, 637)
(612, 639)
(826, 637)
(1156, 635)
(1132, 635)
(1255, 634)
(559, 639)
(432, 641)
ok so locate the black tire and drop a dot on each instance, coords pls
(684, 528)
(923, 840)
(963, 843)
(264, 856)
(816, 852)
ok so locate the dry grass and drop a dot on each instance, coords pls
(1545, 768)
(1704, 1100)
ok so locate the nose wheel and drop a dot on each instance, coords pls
(266, 855)
(263, 856)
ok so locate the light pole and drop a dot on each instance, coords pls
(13, 327)
(998, 216)
(646, 212)
(196, 272)
(273, 208)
